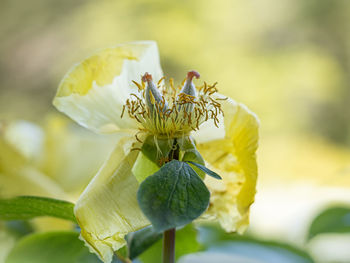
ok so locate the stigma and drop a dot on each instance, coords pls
(189, 88)
(170, 111)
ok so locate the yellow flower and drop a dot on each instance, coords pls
(20, 146)
(38, 160)
(71, 155)
(103, 94)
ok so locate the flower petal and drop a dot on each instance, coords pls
(19, 177)
(108, 208)
(7, 241)
(94, 91)
(26, 137)
(72, 155)
(233, 158)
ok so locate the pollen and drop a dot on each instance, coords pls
(170, 110)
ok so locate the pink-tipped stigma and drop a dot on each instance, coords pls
(192, 74)
(147, 77)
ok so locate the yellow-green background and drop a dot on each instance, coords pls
(287, 60)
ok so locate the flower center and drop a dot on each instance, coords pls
(173, 111)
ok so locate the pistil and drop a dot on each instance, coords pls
(154, 98)
(189, 88)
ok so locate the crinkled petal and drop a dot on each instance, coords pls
(94, 91)
(108, 208)
(233, 157)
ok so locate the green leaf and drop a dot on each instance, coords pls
(241, 249)
(121, 255)
(173, 196)
(53, 247)
(331, 220)
(262, 251)
(206, 170)
(27, 207)
(186, 242)
(141, 240)
(258, 255)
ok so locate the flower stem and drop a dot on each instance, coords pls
(169, 246)
(169, 235)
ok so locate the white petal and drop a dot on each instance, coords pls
(94, 91)
(208, 131)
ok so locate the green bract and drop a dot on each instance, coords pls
(189, 152)
(206, 170)
(173, 196)
(157, 149)
(154, 153)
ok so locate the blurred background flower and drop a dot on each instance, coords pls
(57, 159)
(289, 60)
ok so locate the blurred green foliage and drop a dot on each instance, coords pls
(335, 219)
(288, 60)
(55, 247)
(186, 243)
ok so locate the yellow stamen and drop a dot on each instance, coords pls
(121, 116)
(160, 81)
(183, 114)
(153, 100)
(140, 87)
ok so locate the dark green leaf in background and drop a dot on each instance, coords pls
(173, 196)
(258, 255)
(233, 248)
(27, 207)
(186, 242)
(331, 220)
(141, 240)
(19, 228)
(52, 247)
